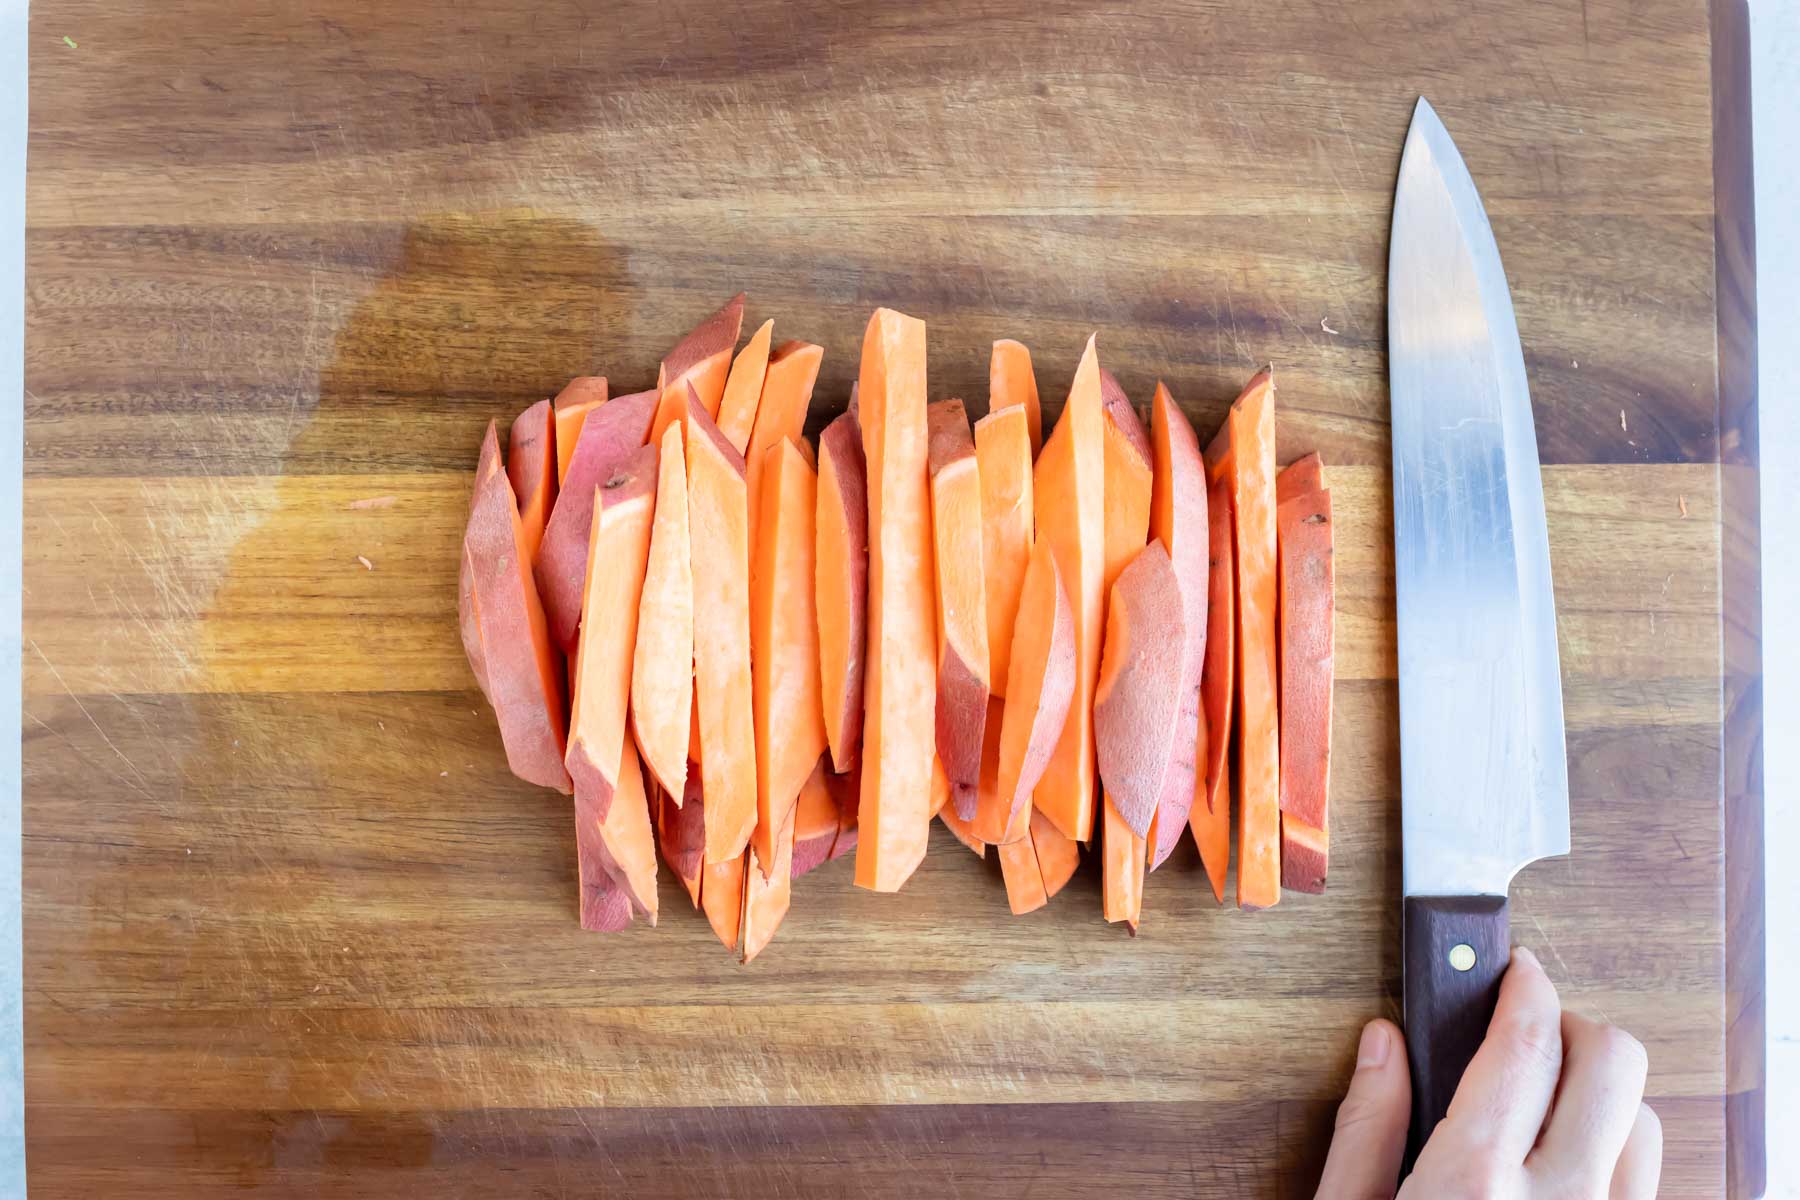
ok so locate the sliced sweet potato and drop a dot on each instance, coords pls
(815, 821)
(1303, 527)
(963, 831)
(846, 790)
(702, 361)
(718, 546)
(1121, 868)
(1011, 382)
(722, 895)
(1042, 682)
(1210, 818)
(1057, 854)
(681, 834)
(1244, 453)
(620, 546)
(962, 662)
(662, 664)
(901, 690)
(605, 905)
(1003, 459)
(531, 466)
(996, 821)
(784, 645)
(1130, 480)
(767, 891)
(626, 845)
(841, 590)
(781, 410)
(1069, 488)
(1299, 478)
(1137, 701)
(1178, 518)
(613, 433)
(1024, 879)
(524, 671)
(468, 610)
(581, 396)
(743, 388)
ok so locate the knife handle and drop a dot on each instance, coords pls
(1456, 950)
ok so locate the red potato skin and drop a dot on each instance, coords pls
(612, 434)
(531, 466)
(526, 693)
(1138, 700)
(717, 333)
(605, 906)
(1217, 675)
(681, 833)
(841, 461)
(1180, 788)
(1303, 524)
(1305, 856)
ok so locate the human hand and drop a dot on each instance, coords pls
(1551, 1106)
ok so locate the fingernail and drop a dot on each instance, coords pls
(1520, 952)
(1372, 1050)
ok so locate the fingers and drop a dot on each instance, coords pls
(1597, 1104)
(1499, 1107)
(1370, 1139)
(1640, 1165)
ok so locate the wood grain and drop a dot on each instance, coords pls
(290, 926)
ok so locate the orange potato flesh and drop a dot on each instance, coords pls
(1011, 383)
(531, 466)
(718, 540)
(743, 388)
(1069, 490)
(784, 646)
(1121, 868)
(581, 396)
(722, 896)
(1210, 818)
(700, 361)
(1042, 685)
(1003, 459)
(1301, 477)
(1304, 529)
(1024, 879)
(626, 847)
(662, 665)
(962, 666)
(901, 689)
(1138, 700)
(781, 410)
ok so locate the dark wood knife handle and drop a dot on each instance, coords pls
(1456, 950)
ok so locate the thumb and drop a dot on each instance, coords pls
(1370, 1138)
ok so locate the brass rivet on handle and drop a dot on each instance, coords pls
(1462, 956)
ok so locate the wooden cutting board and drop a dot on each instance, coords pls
(291, 927)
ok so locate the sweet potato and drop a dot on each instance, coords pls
(784, 645)
(613, 433)
(626, 847)
(1069, 490)
(815, 821)
(662, 664)
(841, 583)
(620, 546)
(768, 890)
(962, 662)
(743, 388)
(1244, 453)
(531, 466)
(1129, 481)
(1003, 456)
(1024, 879)
(1210, 818)
(780, 410)
(523, 669)
(901, 689)
(718, 540)
(681, 834)
(996, 821)
(1121, 868)
(1011, 383)
(1138, 699)
(701, 361)
(1042, 683)
(1301, 477)
(722, 893)
(963, 831)
(581, 396)
(1057, 854)
(1303, 528)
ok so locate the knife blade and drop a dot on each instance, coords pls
(1483, 771)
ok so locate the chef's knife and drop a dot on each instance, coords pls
(1483, 775)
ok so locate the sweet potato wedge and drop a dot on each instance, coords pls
(1069, 490)
(962, 655)
(784, 645)
(841, 585)
(1244, 452)
(1121, 868)
(1012, 383)
(722, 896)
(1138, 699)
(581, 396)
(523, 667)
(613, 433)
(702, 361)
(626, 846)
(662, 664)
(531, 466)
(619, 548)
(768, 891)
(743, 388)
(815, 821)
(1024, 879)
(1057, 854)
(1304, 531)
(996, 821)
(681, 834)
(718, 541)
(1003, 459)
(780, 410)
(1042, 683)
(901, 690)
(1210, 818)
(1299, 478)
